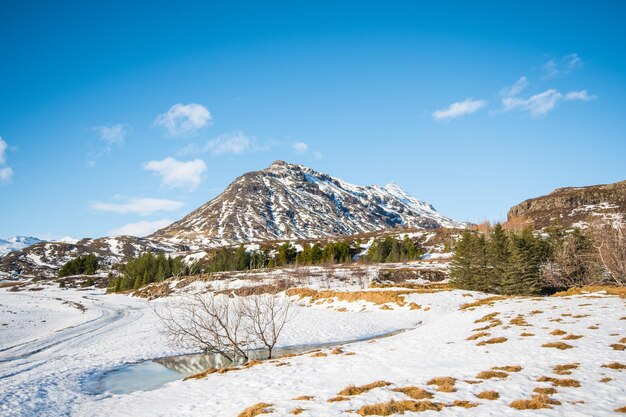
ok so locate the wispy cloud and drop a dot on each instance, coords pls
(581, 95)
(184, 119)
(513, 90)
(537, 105)
(300, 148)
(232, 143)
(112, 135)
(459, 109)
(564, 65)
(178, 174)
(140, 229)
(142, 206)
(6, 173)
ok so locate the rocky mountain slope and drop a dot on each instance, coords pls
(16, 243)
(570, 206)
(44, 259)
(287, 201)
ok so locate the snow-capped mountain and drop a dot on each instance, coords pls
(287, 201)
(16, 243)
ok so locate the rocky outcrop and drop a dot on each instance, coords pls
(570, 206)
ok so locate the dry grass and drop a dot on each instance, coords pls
(620, 410)
(558, 332)
(565, 369)
(618, 346)
(489, 301)
(519, 321)
(385, 307)
(464, 404)
(337, 399)
(593, 327)
(557, 345)
(536, 402)
(491, 374)
(297, 410)
(622, 340)
(443, 383)
(304, 398)
(534, 312)
(414, 306)
(620, 291)
(488, 395)
(510, 368)
(492, 341)
(545, 391)
(256, 409)
(398, 407)
(336, 351)
(353, 390)
(415, 393)
(527, 334)
(491, 325)
(319, 355)
(573, 337)
(478, 335)
(560, 382)
(374, 297)
(606, 379)
(488, 317)
(614, 365)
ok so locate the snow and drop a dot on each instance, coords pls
(42, 364)
(16, 243)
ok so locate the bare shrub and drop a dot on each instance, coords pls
(266, 316)
(610, 242)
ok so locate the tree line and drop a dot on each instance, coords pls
(83, 265)
(506, 262)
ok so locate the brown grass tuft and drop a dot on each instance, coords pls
(534, 312)
(606, 379)
(622, 340)
(620, 291)
(614, 365)
(488, 317)
(338, 398)
(488, 395)
(565, 369)
(478, 335)
(618, 346)
(305, 398)
(491, 374)
(375, 297)
(464, 404)
(444, 383)
(545, 391)
(572, 337)
(557, 345)
(558, 332)
(519, 321)
(415, 393)
(492, 341)
(489, 301)
(560, 382)
(398, 407)
(256, 409)
(536, 402)
(620, 410)
(337, 351)
(297, 410)
(510, 368)
(527, 334)
(353, 390)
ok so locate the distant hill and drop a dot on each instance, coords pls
(16, 243)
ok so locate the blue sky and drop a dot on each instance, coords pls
(119, 117)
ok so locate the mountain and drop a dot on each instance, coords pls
(570, 206)
(44, 259)
(16, 243)
(287, 201)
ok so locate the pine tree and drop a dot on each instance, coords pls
(499, 253)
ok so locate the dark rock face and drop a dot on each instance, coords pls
(570, 206)
(286, 201)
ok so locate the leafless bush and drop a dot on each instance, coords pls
(610, 242)
(228, 326)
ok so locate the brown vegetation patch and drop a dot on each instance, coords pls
(464, 404)
(488, 395)
(557, 345)
(491, 325)
(622, 340)
(492, 341)
(488, 317)
(414, 306)
(489, 301)
(545, 390)
(558, 332)
(353, 390)
(444, 383)
(491, 374)
(534, 312)
(478, 335)
(398, 407)
(305, 398)
(560, 382)
(256, 409)
(527, 334)
(606, 379)
(620, 410)
(336, 351)
(319, 355)
(536, 402)
(565, 369)
(415, 393)
(337, 399)
(519, 321)
(297, 410)
(614, 365)
(619, 291)
(374, 297)
(618, 346)
(510, 368)
(572, 337)
(594, 327)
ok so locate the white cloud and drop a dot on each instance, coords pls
(459, 109)
(581, 95)
(513, 90)
(6, 174)
(178, 174)
(537, 105)
(140, 229)
(3, 148)
(317, 155)
(143, 206)
(183, 119)
(300, 148)
(233, 143)
(113, 135)
(563, 65)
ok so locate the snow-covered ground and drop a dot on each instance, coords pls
(49, 345)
